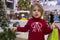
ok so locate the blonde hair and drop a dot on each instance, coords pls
(38, 5)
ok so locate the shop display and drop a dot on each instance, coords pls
(23, 16)
(19, 16)
(23, 4)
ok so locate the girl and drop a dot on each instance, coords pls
(37, 27)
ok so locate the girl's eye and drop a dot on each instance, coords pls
(34, 10)
(38, 10)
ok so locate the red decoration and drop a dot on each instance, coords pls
(11, 14)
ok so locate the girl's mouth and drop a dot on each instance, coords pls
(36, 15)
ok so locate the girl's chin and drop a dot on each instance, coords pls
(37, 17)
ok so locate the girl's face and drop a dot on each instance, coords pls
(36, 12)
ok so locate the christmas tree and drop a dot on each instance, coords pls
(7, 34)
(3, 16)
(23, 4)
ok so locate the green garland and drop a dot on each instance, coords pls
(7, 34)
(23, 5)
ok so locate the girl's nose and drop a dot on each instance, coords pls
(36, 11)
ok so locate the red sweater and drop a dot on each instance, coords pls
(37, 29)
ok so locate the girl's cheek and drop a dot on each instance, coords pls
(33, 13)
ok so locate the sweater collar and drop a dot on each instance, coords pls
(37, 19)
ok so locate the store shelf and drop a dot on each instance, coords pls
(22, 23)
(17, 20)
(11, 1)
(22, 11)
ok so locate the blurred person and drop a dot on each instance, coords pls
(56, 18)
(59, 17)
(51, 17)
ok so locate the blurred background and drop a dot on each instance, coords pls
(14, 12)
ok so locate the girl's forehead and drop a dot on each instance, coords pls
(35, 7)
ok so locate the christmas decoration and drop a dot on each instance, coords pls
(23, 17)
(7, 34)
(16, 24)
(1, 5)
(23, 4)
(4, 18)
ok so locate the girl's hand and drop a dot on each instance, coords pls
(13, 28)
(1, 31)
(53, 25)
